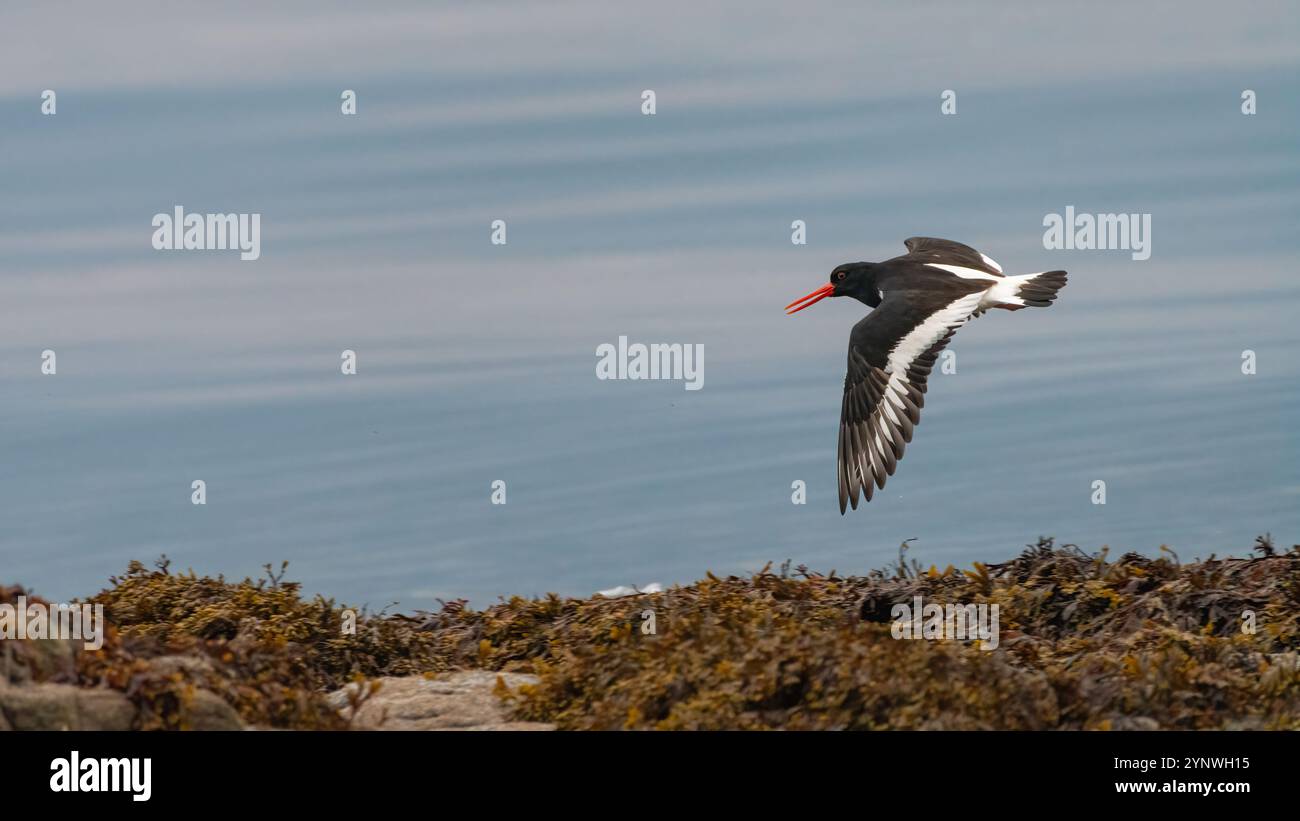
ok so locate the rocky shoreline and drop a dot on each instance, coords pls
(1079, 641)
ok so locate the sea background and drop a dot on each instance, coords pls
(477, 362)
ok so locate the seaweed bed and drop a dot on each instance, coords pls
(1085, 643)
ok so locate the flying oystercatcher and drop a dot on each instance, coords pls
(920, 300)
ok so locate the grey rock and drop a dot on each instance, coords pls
(193, 668)
(41, 707)
(104, 710)
(67, 707)
(1144, 723)
(26, 660)
(463, 700)
(209, 711)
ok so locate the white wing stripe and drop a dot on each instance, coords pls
(965, 273)
(923, 336)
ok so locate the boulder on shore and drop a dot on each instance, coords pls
(462, 700)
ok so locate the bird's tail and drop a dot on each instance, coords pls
(1027, 291)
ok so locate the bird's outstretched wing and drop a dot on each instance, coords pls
(891, 353)
(947, 252)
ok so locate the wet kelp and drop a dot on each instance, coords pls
(257, 643)
(1085, 642)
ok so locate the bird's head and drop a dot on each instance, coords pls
(850, 279)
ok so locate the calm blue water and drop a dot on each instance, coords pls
(477, 362)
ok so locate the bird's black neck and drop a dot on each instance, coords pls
(865, 288)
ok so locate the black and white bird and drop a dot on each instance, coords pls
(920, 300)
